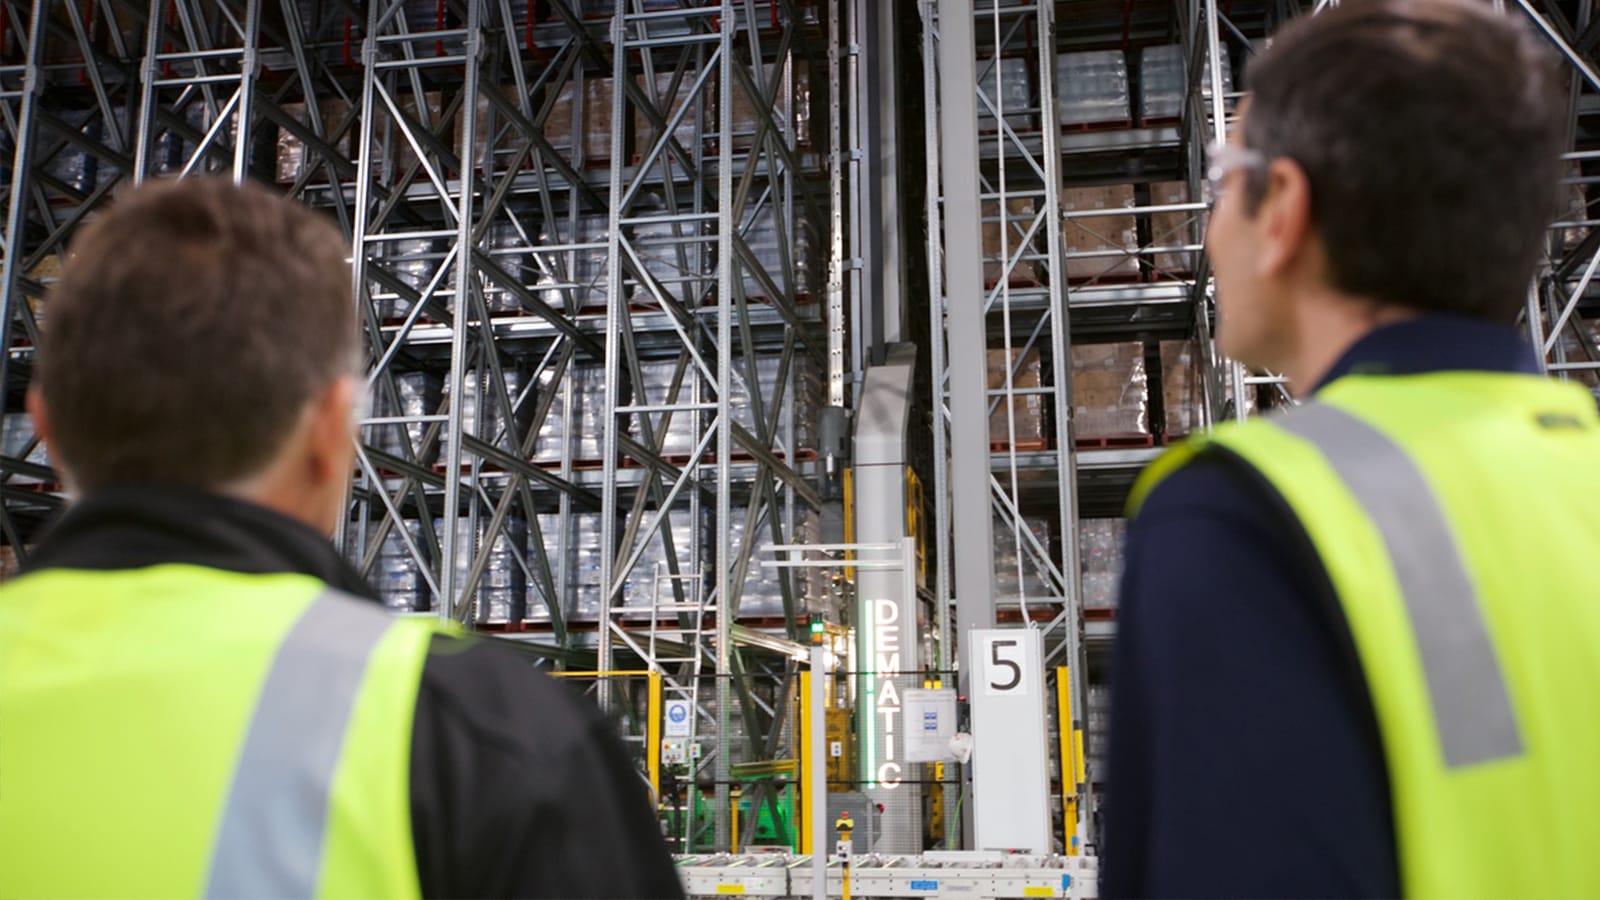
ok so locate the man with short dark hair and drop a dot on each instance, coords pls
(1357, 639)
(198, 695)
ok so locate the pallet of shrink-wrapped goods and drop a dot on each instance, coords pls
(1027, 557)
(1092, 89)
(1164, 82)
(1017, 421)
(398, 573)
(1110, 400)
(1005, 90)
(762, 596)
(1100, 559)
(571, 426)
(676, 432)
(408, 395)
(653, 581)
(501, 595)
(1180, 387)
(569, 262)
(497, 413)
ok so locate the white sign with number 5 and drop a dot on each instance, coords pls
(1010, 781)
(1002, 666)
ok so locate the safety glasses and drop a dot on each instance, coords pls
(1223, 159)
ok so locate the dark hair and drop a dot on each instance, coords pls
(1431, 132)
(192, 323)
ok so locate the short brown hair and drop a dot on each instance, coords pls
(192, 323)
(1431, 132)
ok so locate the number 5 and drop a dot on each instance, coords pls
(995, 662)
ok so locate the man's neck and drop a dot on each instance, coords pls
(1328, 324)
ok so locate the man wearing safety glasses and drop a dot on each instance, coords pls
(1358, 639)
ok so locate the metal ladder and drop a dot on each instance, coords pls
(693, 638)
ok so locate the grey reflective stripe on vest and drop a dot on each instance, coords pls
(269, 841)
(1471, 707)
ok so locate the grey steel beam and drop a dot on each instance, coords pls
(973, 539)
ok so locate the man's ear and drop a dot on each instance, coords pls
(1285, 218)
(38, 412)
(332, 429)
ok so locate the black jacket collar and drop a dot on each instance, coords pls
(134, 526)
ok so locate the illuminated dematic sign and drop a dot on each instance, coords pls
(886, 697)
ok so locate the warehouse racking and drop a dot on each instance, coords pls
(613, 263)
(1097, 304)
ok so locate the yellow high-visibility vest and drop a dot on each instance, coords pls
(1458, 516)
(180, 731)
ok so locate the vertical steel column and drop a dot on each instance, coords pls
(17, 200)
(249, 69)
(358, 231)
(969, 468)
(149, 71)
(616, 309)
(1219, 134)
(816, 770)
(472, 52)
(836, 209)
(727, 223)
(936, 305)
(1061, 350)
(879, 237)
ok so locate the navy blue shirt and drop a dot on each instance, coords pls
(1245, 759)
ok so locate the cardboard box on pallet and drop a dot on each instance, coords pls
(404, 155)
(562, 120)
(45, 273)
(1027, 409)
(668, 102)
(1173, 229)
(1002, 241)
(1252, 392)
(1100, 234)
(292, 159)
(1574, 350)
(1110, 395)
(792, 107)
(799, 244)
(1180, 387)
(493, 131)
(1576, 207)
(584, 105)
